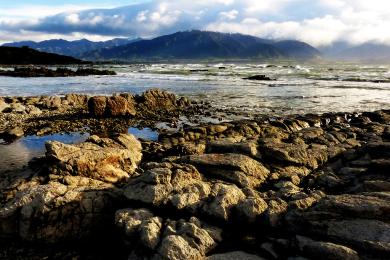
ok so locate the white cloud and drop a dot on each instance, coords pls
(231, 15)
(319, 22)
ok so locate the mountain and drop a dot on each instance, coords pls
(26, 56)
(204, 45)
(363, 52)
(70, 48)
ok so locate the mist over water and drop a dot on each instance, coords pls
(297, 88)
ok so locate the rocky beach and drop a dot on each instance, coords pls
(308, 186)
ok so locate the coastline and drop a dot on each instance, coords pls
(274, 187)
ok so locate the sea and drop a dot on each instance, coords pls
(295, 88)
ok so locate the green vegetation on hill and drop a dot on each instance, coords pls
(26, 56)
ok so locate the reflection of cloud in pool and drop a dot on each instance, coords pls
(144, 133)
(14, 155)
(20, 152)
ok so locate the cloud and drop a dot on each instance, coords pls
(320, 22)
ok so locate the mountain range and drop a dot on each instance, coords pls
(193, 44)
(27, 56)
(364, 52)
(71, 48)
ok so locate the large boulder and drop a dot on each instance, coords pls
(108, 160)
(236, 168)
(111, 106)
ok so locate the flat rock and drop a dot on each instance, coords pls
(236, 168)
(98, 158)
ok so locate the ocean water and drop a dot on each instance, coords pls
(297, 88)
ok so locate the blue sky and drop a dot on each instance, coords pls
(320, 22)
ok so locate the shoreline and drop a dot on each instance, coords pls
(268, 187)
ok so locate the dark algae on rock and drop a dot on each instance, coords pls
(294, 187)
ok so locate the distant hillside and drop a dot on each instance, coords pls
(363, 52)
(205, 45)
(26, 56)
(70, 48)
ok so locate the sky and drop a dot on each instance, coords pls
(317, 22)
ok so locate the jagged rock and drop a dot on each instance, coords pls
(111, 106)
(325, 250)
(119, 106)
(234, 256)
(182, 187)
(171, 240)
(251, 208)
(227, 146)
(17, 108)
(97, 106)
(357, 220)
(295, 154)
(55, 212)
(275, 212)
(156, 99)
(222, 200)
(51, 102)
(236, 168)
(109, 160)
(3, 105)
(77, 100)
(13, 133)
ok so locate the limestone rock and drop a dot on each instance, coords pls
(236, 168)
(325, 250)
(97, 106)
(54, 212)
(98, 158)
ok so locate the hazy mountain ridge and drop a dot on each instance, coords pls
(204, 45)
(71, 48)
(27, 56)
(363, 52)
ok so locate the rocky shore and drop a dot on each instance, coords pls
(297, 187)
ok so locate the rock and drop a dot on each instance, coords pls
(234, 256)
(3, 105)
(177, 248)
(325, 250)
(238, 169)
(156, 99)
(52, 102)
(248, 148)
(109, 160)
(114, 106)
(224, 198)
(258, 77)
(33, 110)
(358, 220)
(294, 154)
(182, 187)
(77, 100)
(171, 240)
(97, 106)
(17, 108)
(119, 106)
(13, 133)
(275, 212)
(55, 212)
(251, 208)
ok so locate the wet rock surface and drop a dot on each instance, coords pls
(299, 187)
